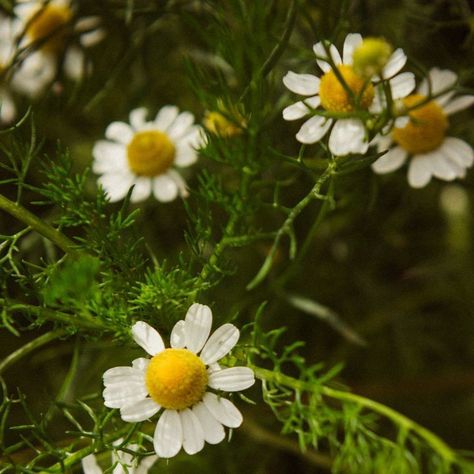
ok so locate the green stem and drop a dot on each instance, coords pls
(30, 347)
(22, 214)
(438, 445)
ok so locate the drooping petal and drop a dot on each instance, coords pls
(301, 108)
(313, 129)
(147, 337)
(166, 117)
(139, 411)
(232, 379)
(458, 104)
(419, 172)
(177, 338)
(198, 322)
(120, 132)
(221, 342)
(458, 151)
(223, 410)
(402, 85)
(213, 430)
(138, 117)
(165, 188)
(350, 44)
(141, 190)
(193, 435)
(395, 63)
(303, 84)
(90, 466)
(320, 52)
(391, 161)
(348, 136)
(168, 437)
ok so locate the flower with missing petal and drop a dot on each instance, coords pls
(328, 94)
(181, 382)
(49, 28)
(124, 462)
(146, 154)
(423, 136)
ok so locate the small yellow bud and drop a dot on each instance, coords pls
(371, 56)
(223, 122)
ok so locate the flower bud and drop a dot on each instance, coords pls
(371, 56)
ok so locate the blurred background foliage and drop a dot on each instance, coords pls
(393, 264)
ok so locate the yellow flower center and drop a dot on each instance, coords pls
(150, 153)
(176, 379)
(335, 97)
(426, 129)
(49, 24)
(218, 124)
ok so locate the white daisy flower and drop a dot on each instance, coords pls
(347, 135)
(146, 154)
(47, 27)
(125, 463)
(178, 380)
(7, 50)
(423, 138)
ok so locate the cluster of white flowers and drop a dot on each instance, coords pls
(336, 99)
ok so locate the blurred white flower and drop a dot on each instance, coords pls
(48, 28)
(146, 153)
(7, 51)
(327, 93)
(178, 380)
(423, 138)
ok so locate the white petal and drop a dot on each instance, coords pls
(301, 108)
(166, 117)
(396, 62)
(223, 410)
(168, 437)
(441, 167)
(350, 44)
(109, 157)
(36, 72)
(304, 84)
(221, 342)
(459, 103)
(142, 189)
(179, 181)
(391, 161)
(320, 52)
(121, 374)
(313, 129)
(458, 151)
(193, 436)
(402, 85)
(348, 136)
(213, 431)
(177, 338)
(116, 185)
(75, 64)
(147, 337)
(92, 37)
(439, 79)
(124, 395)
(90, 466)
(164, 188)
(181, 125)
(7, 108)
(138, 117)
(197, 327)
(120, 132)
(145, 465)
(139, 411)
(419, 172)
(185, 155)
(141, 364)
(232, 379)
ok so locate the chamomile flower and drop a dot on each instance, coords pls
(328, 94)
(7, 50)
(124, 462)
(47, 29)
(146, 154)
(424, 137)
(180, 382)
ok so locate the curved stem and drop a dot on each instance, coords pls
(22, 214)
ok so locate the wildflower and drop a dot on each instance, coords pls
(48, 28)
(7, 50)
(124, 462)
(178, 380)
(328, 94)
(145, 154)
(371, 56)
(423, 137)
